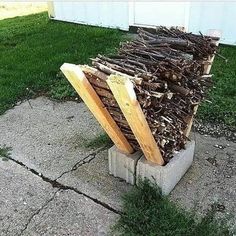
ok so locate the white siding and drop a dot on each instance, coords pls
(106, 14)
(194, 16)
(160, 13)
(205, 16)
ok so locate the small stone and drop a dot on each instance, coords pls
(190, 182)
(40, 174)
(215, 199)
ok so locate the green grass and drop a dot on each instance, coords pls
(146, 212)
(5, 152)
(102, 140)
(62, 89)
(223, 96)
(33, 48)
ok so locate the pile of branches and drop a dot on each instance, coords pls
(167, 69)
(202, 46)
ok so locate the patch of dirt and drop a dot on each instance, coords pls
(215, 130)
(13, 9)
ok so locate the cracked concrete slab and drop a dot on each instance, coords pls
(47, 136)
(71, 214)
(93, 179)
(22, 194)
(30, 128)
(210, 182)
(50, 137)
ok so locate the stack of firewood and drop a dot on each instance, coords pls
(167, 69)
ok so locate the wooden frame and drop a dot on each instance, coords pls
(78, 80)
(206, 71)
(123, 91)
(190, 120)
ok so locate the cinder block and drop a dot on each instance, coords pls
(166, 177)
(123, 165)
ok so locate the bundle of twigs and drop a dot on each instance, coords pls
(200, 46)
(167, 71)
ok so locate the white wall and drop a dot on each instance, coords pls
(205, 16)
(194, 16)
(160, 13)
(106, 14)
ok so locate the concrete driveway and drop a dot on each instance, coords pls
(54, 184)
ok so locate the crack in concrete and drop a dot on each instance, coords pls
(37, 212)
(56, 184)
(87, 159)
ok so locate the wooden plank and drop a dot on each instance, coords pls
(79, 81)
(190, 122)
(123, 91)
(207, 68)
(206, 71)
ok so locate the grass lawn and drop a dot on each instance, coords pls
(33, 48)
(146, 212)
(223, 96)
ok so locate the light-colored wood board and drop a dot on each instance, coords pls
(190, 121)
(206, 71)
(78, 80)
(207, 67)
(123, 91)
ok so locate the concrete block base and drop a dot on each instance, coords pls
(135, 167)
(122, 165)
(166, 177)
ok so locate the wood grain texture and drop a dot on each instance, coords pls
(78, 80)
(123, 91)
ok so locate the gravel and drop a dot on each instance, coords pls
(215, 130)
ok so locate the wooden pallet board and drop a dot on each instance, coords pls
(78, 80)
(206, 71)
(123, 91)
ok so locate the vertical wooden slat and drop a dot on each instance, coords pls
(123, 91)
(207, 68)
(206, 71)
(190, 122)
(79, 81)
